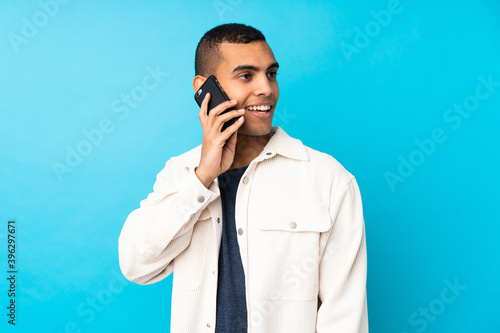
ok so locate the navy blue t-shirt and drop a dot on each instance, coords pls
(231, 297)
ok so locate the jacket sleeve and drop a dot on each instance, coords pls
(157, 232)
(343, 267)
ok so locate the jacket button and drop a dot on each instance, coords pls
(269, 153)
(293, 225)
(240, 231)
(218, 220)
(245, 180)
(208, 325)
(201, 198)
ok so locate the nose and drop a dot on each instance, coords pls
(263, 88)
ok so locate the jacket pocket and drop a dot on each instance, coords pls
(294, 217)
(286, 244)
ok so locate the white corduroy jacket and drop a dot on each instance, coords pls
(301, 236)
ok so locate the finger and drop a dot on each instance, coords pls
(231, 142)
(220, 120)
(233, 128)
(219, 109)
(203, 109)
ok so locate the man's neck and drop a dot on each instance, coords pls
(248, 148)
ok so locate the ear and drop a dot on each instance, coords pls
(198, 82)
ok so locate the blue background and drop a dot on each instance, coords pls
(366, 108)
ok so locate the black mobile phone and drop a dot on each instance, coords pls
(217, 96)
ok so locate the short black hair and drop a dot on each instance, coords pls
(208, 56)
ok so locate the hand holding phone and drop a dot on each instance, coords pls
(219, 145)
(217, 96)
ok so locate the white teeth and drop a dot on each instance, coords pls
(259, 108)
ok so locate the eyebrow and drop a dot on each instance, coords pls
(253, 68)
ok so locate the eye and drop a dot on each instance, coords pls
(247, 75)
(273, 74)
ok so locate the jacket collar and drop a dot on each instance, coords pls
(283, 144)
(280, 143)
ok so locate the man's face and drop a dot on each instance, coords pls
(248, 75)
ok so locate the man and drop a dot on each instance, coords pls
(262, 233)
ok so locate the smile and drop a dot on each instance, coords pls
(260, 111)
(259, 108)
